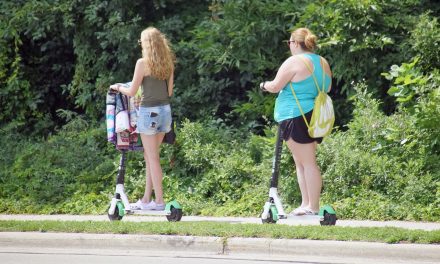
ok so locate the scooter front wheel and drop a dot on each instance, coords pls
(272, 218)
(118, 213)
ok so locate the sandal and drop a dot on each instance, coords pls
(299, 211)
(310, 212)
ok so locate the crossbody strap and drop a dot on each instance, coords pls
(316, 84)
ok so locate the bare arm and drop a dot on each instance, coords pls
(171, 84)
(326, 68)
(139, 72)
(284, 75)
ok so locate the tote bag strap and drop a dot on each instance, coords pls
(299, 106)
(313, 74)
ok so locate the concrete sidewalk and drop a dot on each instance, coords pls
(301, 251)
(294, 221)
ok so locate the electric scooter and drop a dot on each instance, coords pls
(120, 206)
(273, 208)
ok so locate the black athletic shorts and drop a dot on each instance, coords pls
(296, 129)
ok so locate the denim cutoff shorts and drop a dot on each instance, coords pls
(153, 120)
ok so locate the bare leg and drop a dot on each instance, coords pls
(148, 182)
(305, 156)
(300, 177)
(151, 145)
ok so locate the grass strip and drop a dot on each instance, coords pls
(218, 229)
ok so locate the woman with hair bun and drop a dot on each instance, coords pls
(155, 72)
(296, 70)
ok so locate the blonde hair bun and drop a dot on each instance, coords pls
(307, 39)
(310, 41)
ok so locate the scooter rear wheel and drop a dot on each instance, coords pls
(176, 215)
(329, 219)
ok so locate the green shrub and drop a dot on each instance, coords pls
(49, 172)
(425, 41)
(381, 168)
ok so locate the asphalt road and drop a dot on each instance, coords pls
(69, 258)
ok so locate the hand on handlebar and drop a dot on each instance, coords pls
(262, 86)
(114, 88)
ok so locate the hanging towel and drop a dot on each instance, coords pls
(110, 116)
(122, 121)
(121, 118)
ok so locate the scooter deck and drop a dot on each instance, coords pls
(147, 212)
(301, 219)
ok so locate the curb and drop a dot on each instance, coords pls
(328, 251)
(111, 241)
(335, 250)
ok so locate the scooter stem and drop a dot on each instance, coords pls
(276, 160)
(121, 171)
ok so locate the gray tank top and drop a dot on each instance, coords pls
(154, 92)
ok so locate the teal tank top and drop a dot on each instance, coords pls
(285, 104)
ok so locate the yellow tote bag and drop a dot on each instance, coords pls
(323, 115)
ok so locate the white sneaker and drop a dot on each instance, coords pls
(139, 205)
(150, 206)
(154, 206)
(159, 207)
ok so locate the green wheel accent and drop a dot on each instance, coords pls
(328, 216)
(274, 211)
(119, 212)
(326, 208)
(172, 204)
(273, 217)
(174, 211)
(121, 209)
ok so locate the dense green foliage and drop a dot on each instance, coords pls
(58, 57)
